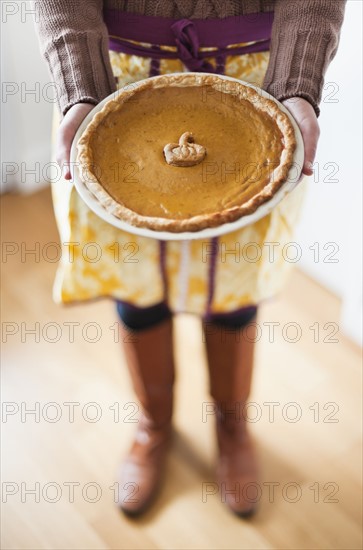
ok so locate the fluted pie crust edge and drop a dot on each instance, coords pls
(202, 221)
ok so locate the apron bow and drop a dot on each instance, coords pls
(187, 42)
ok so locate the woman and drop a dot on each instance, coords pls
(93, 48)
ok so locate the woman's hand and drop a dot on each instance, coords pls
(66, 132)
(307, 121)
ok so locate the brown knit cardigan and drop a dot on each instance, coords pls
(74, 41)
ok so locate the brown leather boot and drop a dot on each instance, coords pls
(230, 363)
(149, 356)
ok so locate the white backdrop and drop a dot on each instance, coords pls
(330, 232)
(26, 111)
(333, 210)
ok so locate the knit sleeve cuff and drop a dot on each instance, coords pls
(304, 40)
(285, 90)
(80, 66)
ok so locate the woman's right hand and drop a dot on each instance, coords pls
(66, 132)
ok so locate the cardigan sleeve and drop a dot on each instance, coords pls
(74, 41)
(305, 38)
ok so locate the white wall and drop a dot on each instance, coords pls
(333, 210)
(26, 116)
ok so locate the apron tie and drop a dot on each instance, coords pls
(187, 42)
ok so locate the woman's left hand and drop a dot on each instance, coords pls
(305, 116)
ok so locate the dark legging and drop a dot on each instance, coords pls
(136, 318)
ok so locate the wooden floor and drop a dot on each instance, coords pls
(311, 485)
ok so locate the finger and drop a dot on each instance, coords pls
(63, 152)
(305, 117)
(310, 138)
(66, 133)
(310, 133)
(66, 171)
(63, 163)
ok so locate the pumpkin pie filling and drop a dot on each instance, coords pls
(186, 153)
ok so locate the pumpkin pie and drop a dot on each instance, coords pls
(183, 152)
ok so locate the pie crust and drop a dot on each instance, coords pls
(253, 135)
